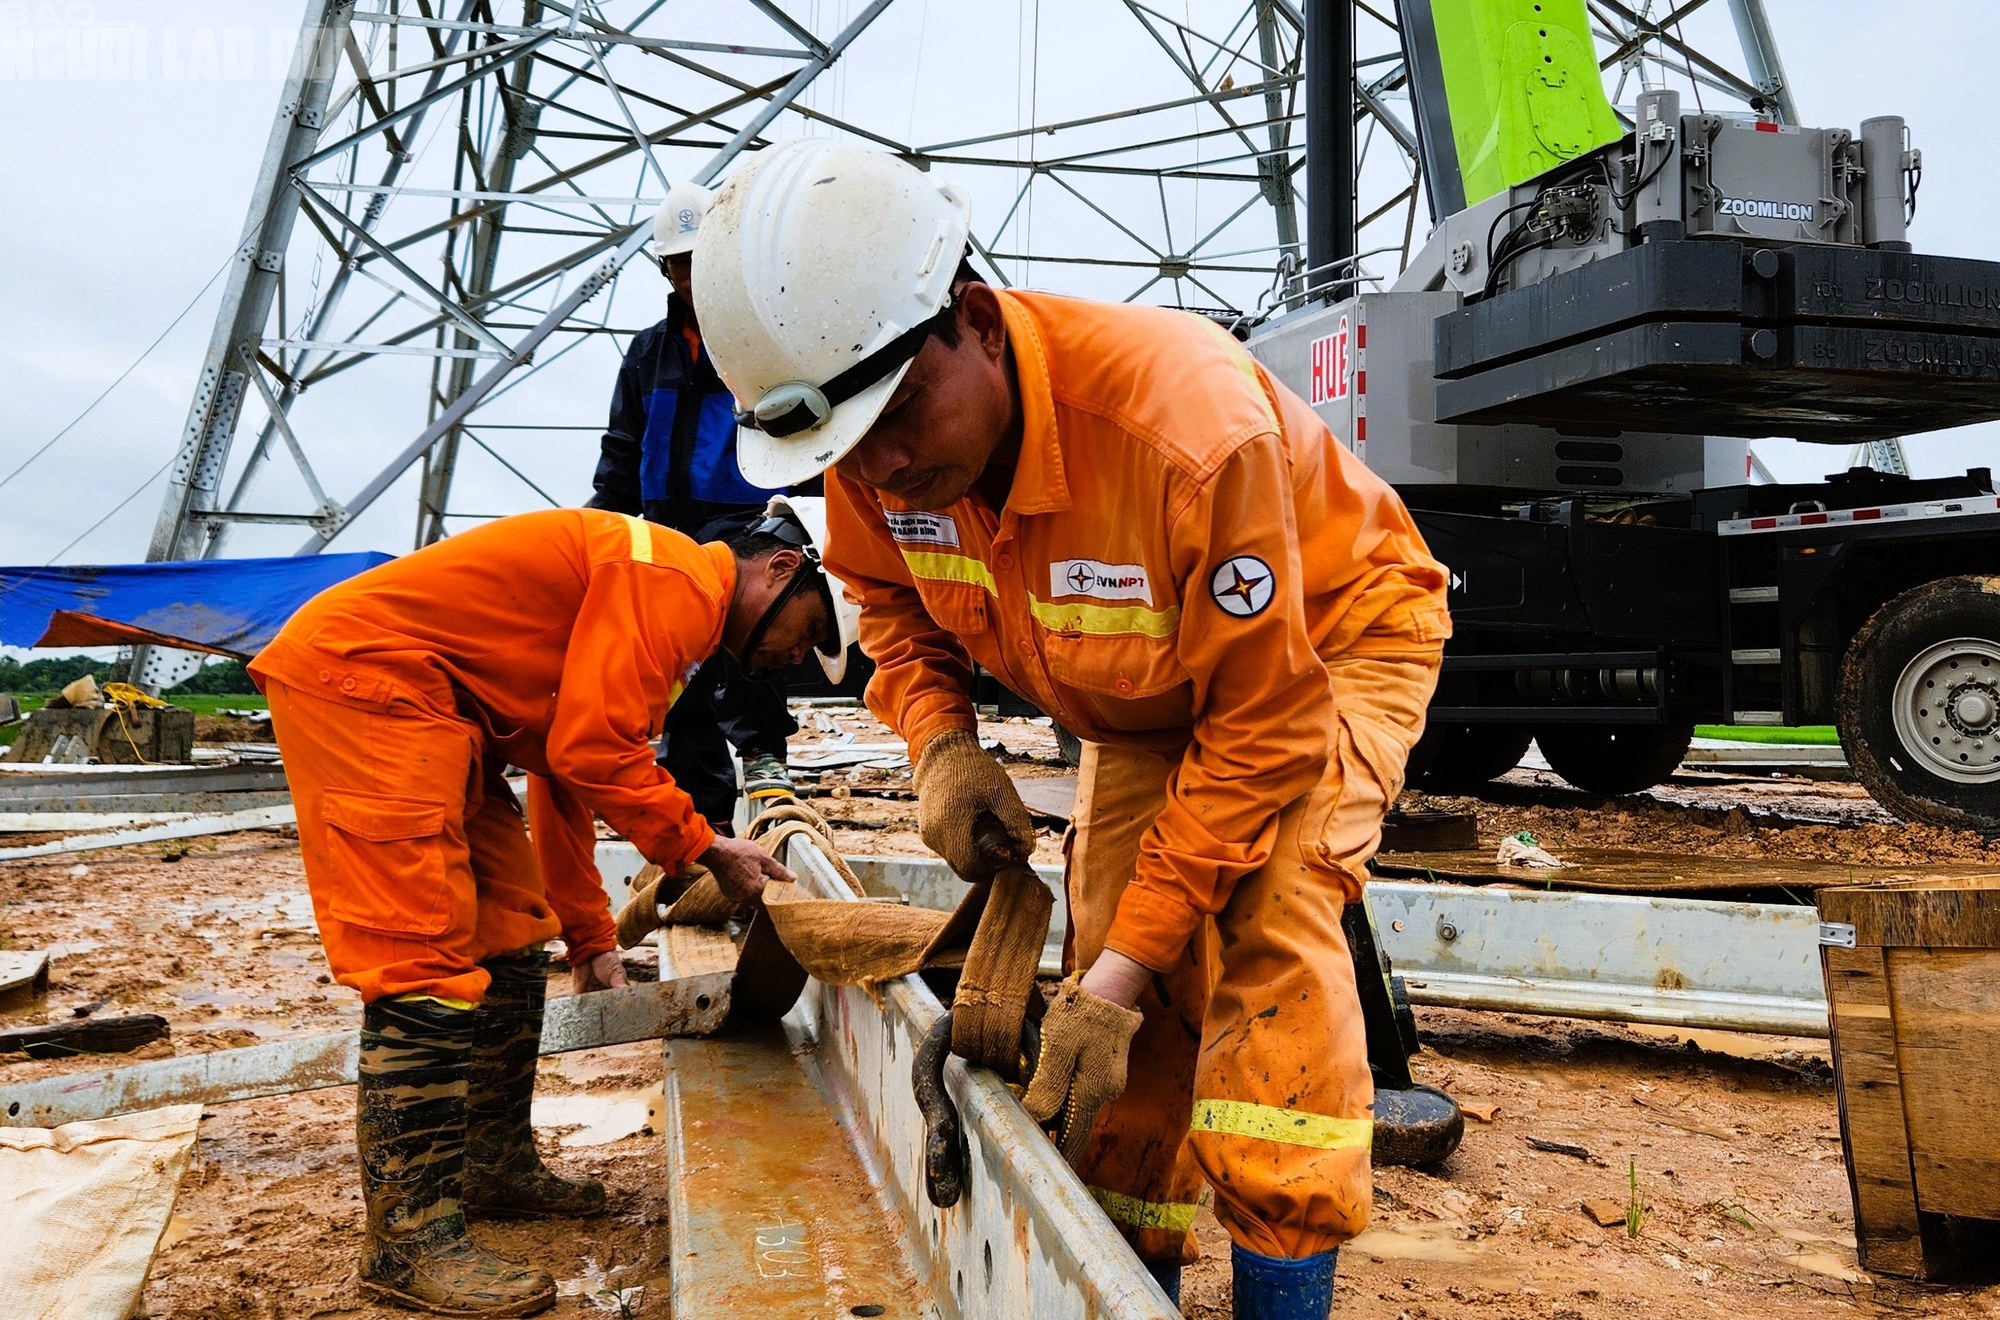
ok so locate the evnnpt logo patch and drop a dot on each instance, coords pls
(1088, 577)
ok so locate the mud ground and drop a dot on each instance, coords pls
(1741, 1202)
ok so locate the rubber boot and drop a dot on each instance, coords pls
(505, 1178)
(766, 779)
(1169, 1279)
(1276, 1288)
(410, 1123)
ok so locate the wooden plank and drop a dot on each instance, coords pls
(696, 951)
(693, 1005)
(63, 1040)
(1944, 912)
(1943, 1001)
(1872, 1126)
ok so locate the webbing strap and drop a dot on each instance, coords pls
(1011, 923)
(995, 935)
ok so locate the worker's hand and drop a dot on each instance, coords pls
(605, 971)
(1117, 978)
(741, 868)
(957, 783)
(1085, 1041)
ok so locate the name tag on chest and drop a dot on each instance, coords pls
(1088, 577)
(922, 528)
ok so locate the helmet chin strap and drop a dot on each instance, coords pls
(805, 576)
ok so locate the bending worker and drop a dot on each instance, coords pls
(669, 456)
(556, 642)
(1125, 519)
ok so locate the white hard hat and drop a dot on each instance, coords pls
(821, 270)
(680, 216)
(809, 511)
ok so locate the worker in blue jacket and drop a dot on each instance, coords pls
(669, 456)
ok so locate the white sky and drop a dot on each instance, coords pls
(122, 197)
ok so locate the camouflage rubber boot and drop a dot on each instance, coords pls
(410, 1123)
(506, 1178)
(765, 779)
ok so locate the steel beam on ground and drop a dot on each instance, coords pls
(1668, 961)
(1672, 962)
(685, 1006)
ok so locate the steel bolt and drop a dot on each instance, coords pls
(1446, 931)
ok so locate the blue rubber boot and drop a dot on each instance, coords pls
(1169, 1279)
(1275, 1288)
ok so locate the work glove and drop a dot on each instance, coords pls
(956, 783)
(1085, 1041)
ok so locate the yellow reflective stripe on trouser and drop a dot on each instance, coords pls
(642, 540)
(1293, 1127)
(1106, 620)
(1132, 1212)
(935, 567)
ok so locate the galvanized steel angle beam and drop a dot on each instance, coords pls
(1669, 961)
(687, 1006)
(1026, 1240)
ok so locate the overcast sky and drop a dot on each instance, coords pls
(123, 196)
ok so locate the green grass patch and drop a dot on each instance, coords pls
(1810, 735)
(208, 705)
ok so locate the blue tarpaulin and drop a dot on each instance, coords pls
(226, 606)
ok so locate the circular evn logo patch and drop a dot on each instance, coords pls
(1243, 586)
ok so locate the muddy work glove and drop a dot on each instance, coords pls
(956, 783)
(1085, 1041)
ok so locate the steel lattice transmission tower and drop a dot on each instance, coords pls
(452, 188)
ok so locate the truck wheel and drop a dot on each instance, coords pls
(1612, 759)
(1459, 758)
(1919, 707)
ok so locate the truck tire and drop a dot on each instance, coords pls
(1460, 758)
(1919, 705)
(1614, 759)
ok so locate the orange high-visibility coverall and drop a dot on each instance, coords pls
(552, 641)
(1243, 625)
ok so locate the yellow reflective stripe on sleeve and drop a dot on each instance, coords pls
(935, 567)
(1106, 620)
(1239, 357)
(1134, 1213)
(642, 540)
(1293, 1127)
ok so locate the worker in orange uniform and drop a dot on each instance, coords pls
(556, 642)
(1124, 518)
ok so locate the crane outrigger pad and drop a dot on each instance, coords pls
(1819, 343)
